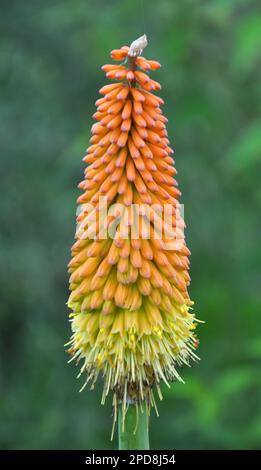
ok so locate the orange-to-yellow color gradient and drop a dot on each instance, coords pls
(132, 322)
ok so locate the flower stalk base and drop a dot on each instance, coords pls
(133, 428)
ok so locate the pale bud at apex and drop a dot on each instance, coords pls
(137, 46)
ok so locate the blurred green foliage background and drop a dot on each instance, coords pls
(51, 52)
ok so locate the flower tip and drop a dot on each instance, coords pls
(137, 46)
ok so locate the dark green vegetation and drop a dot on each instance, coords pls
(51, 53)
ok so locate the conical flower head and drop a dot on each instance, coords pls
(131, 317)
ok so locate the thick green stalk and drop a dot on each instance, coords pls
(135, 435)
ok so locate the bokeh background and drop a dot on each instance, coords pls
(51, 52)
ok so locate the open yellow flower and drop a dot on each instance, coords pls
(131, 317)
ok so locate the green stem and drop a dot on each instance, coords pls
(135, 435)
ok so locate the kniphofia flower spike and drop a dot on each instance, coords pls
(132, 322)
